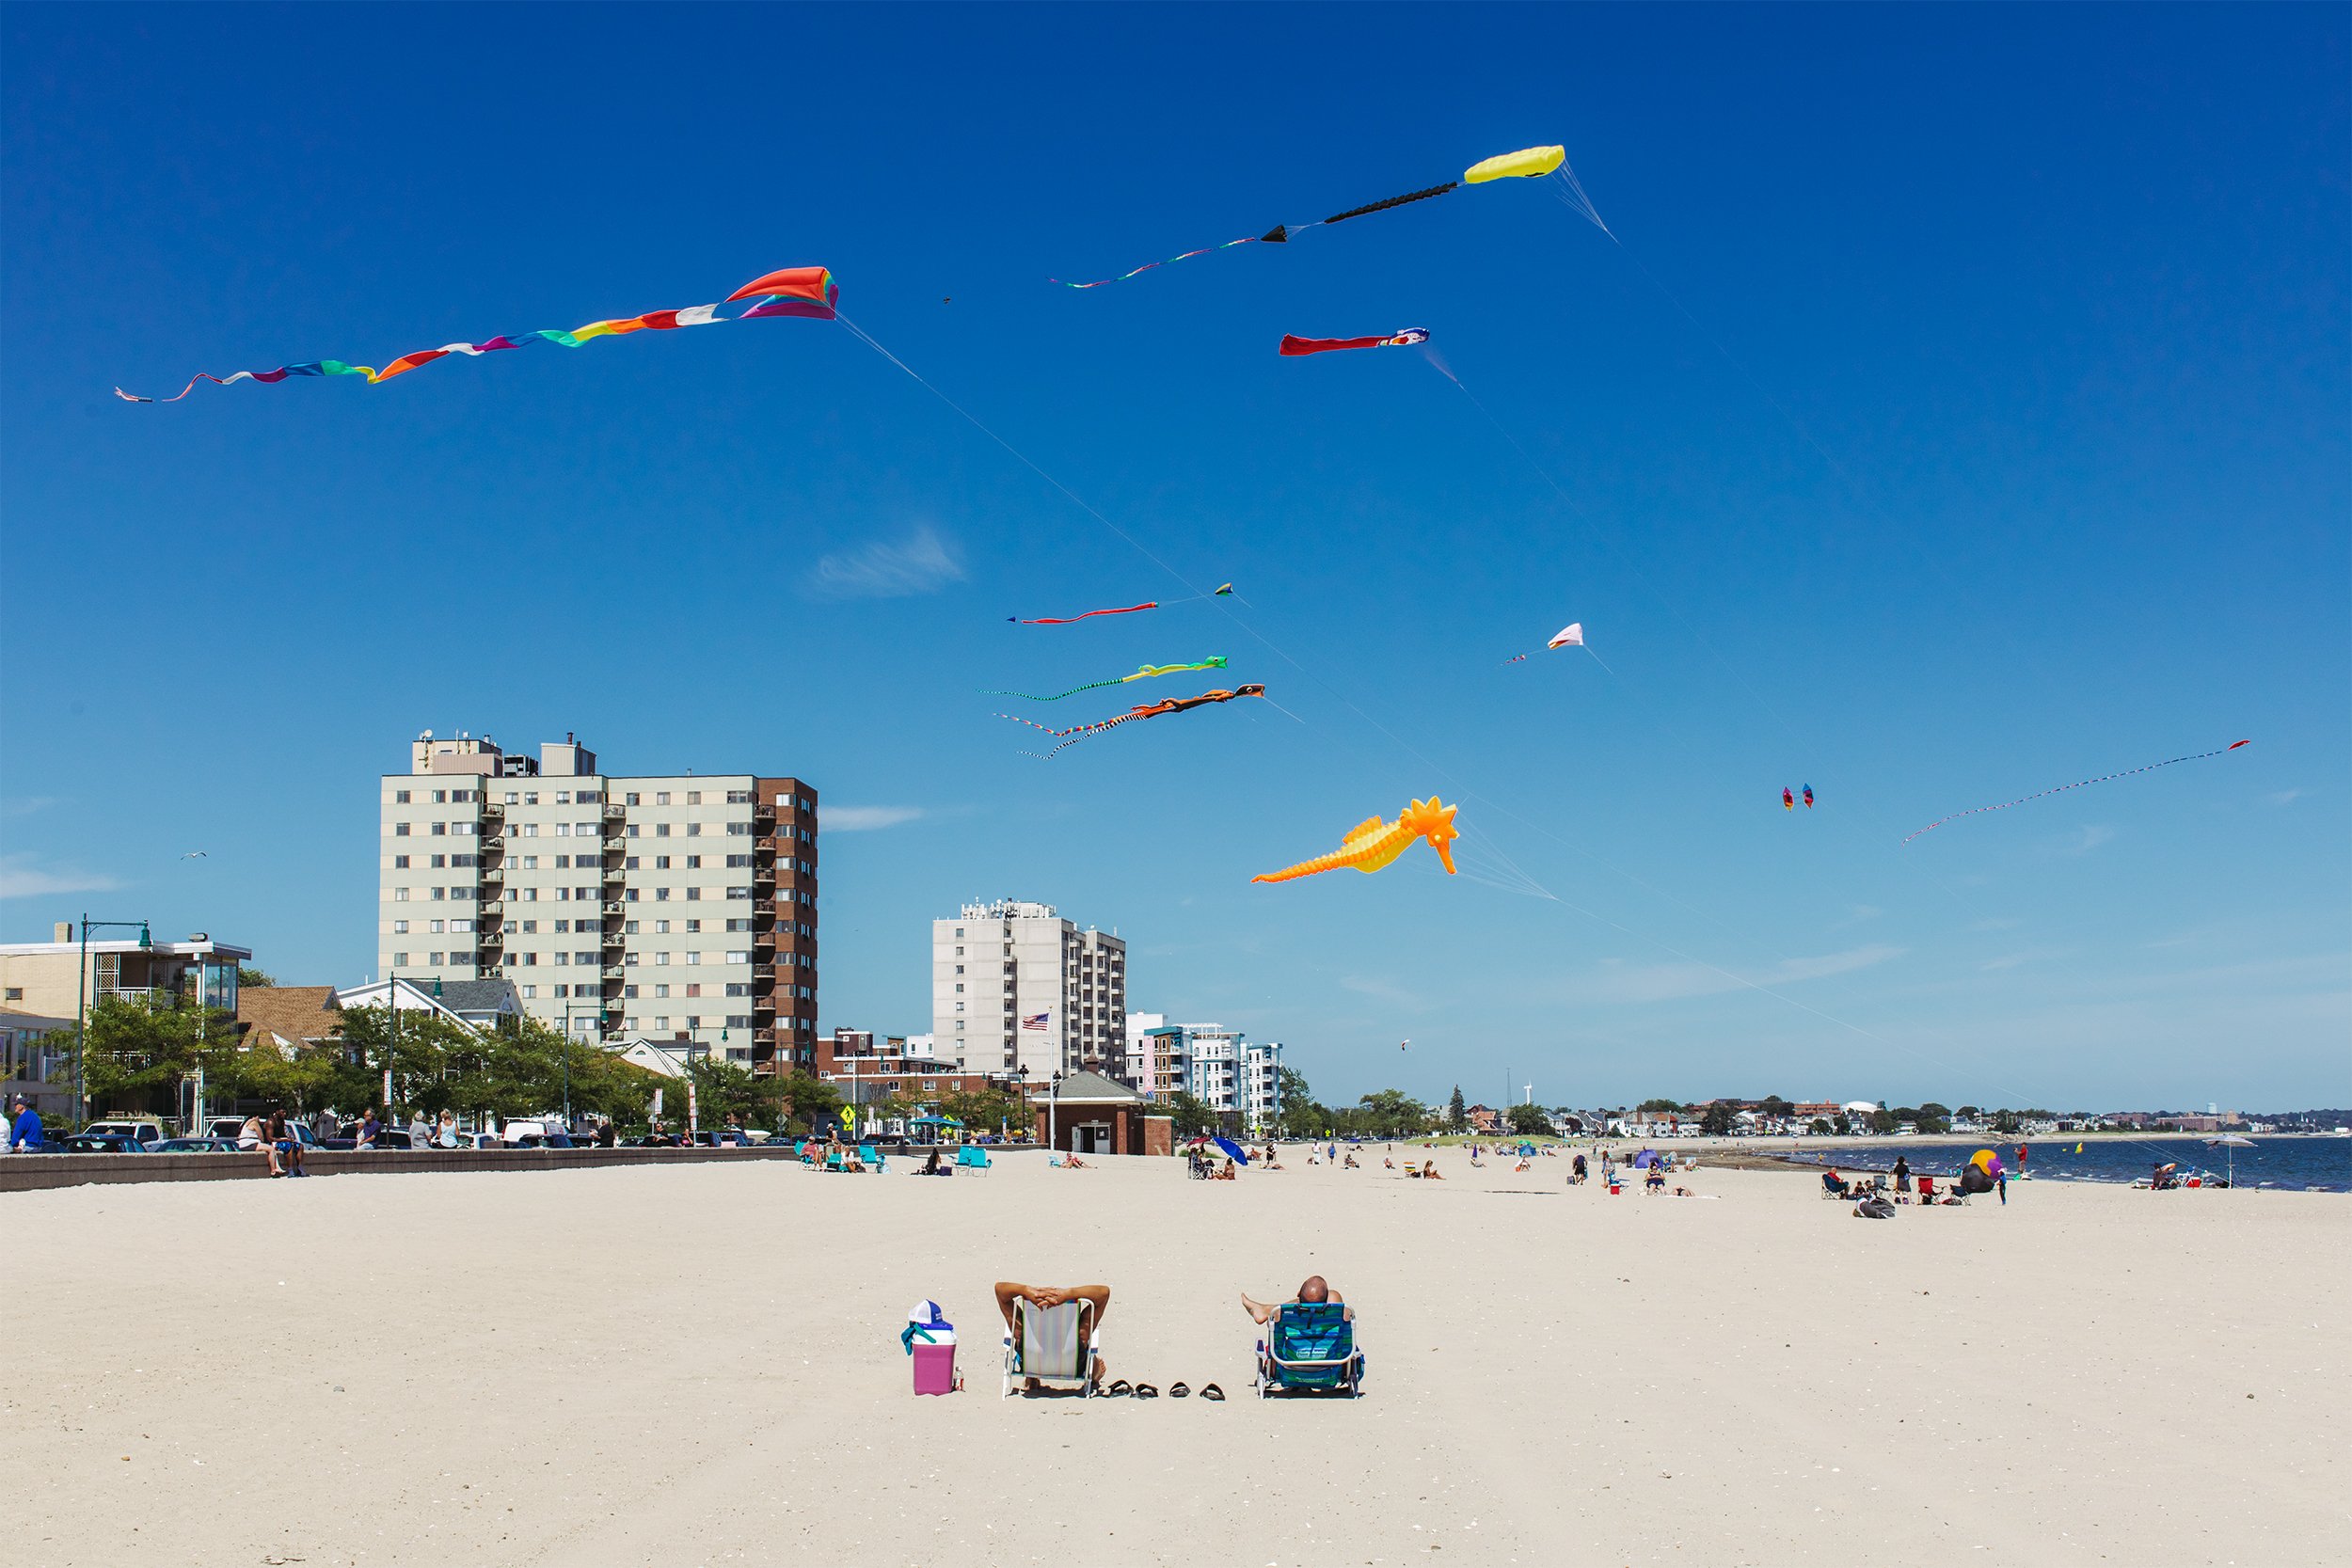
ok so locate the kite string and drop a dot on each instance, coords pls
(2060, 789)
(1394, 738)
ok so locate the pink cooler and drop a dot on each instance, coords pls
(935, 1369)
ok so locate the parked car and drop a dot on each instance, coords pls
(197, 1146)
(722, 1137)
(389, 1137)
(543, 1140)
(652, 1140)
(480, 1141)
(137, 1130)
(99, 1143)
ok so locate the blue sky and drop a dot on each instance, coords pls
(1961, 414)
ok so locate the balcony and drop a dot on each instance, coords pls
(612, 972)
(612, 909)
(494, 841)
(614, 814)
(491, 906)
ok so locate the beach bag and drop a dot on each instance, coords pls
(929, 1342)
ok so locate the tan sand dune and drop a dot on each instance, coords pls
(701, 1363)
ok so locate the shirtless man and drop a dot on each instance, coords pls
(1312, 1290)
(1042, 1296)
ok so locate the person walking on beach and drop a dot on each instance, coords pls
(2001, 1181)
(1902, 1174)
(1576, 1171)
(24, 1128)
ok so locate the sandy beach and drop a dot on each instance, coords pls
(701, 1365)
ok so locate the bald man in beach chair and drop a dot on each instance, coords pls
(1313, 1290)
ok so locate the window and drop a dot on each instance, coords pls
(694, 1022)
(693, 829)
(586, 830)
(693, 862)
(530, 797)
(959, 969)
(662, 830)
(400, 830)
(440, 862)
(662, 1020)
(528, 830)
(738, 797)
(630, 993)
(958, 990)
(661, 896)
(660, 958)
(661, 862)
(563, 797)
(736, 861)
(529, 927)
(400, 927)
(529, 992)
(694, 991)
(694, 958)
(510, 797)
(563, 862)
(464, 859)
(433, 925)
(739, 924)
(400, 797)
(661, 990)
(738, 893)
(464, 796)
(563, 958)
(693, 894)
(958, 952)
(693, 797)
(584, 924)
(399, 895)
(399, 863)
(587, 961)
(632, 830)
(629, 930)
(738, 987)
(629, 896)
(400, 960)
(440, 830)
(693, 925)
(661, 798)
(440, 797)
(461, 925)
(958, 1009)
(562, 830)
(589, 797)
(661, 927)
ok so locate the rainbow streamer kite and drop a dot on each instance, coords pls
(788, 292)
(1215, 661)
(2061, 789)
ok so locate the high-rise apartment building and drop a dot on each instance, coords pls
(1014, 986)
(674, 907)
(1223, 1068)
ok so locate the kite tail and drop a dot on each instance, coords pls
(1032, 697)
(1072, 620)
(2079, 783)
(1392, 201)
(1204, 250)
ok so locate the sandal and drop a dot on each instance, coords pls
(1177, 1391)
(1210, 1392)
(1119, 1390)
(1144, 1391)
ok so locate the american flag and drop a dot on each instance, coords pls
(1035, 1021)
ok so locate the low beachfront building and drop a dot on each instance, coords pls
(1088, 1114)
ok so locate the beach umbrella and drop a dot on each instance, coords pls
(2231, 1142)
(1239, 1154)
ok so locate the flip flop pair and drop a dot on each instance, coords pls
(1120, 1389)
(1144, 1391)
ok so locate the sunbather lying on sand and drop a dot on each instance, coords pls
(1312, 1290)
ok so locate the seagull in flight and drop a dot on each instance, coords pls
(196, 855)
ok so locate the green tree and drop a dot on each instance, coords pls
(1934, 1118)
(1821, 1129)
(1392, 1114)
(1658, 1107)
(137, 1056)
(1883, 1122)
(1302, 1117)
(250, 979)
(2006, 1121)
(1191, 1115)
(1716, 1119)
(808, 1098)
(1844, 1125)
(1528, 1121)
(983, 1110)
(1456, 1113)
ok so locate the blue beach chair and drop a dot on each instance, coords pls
(972, 1157)
(872, 1157)
(1309, 1348)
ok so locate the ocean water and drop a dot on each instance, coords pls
(2318, 1164)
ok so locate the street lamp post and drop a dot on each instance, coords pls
(81, 1002)
(1053, 1094)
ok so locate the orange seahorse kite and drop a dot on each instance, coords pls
(1374, 844)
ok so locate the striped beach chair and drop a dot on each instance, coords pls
(1052, 1344)
(1309, 1346)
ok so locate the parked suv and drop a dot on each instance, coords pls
(232, 1127)
(138, 1131)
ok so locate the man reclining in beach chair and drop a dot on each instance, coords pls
(1309, 1343)
(1053, 1334)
